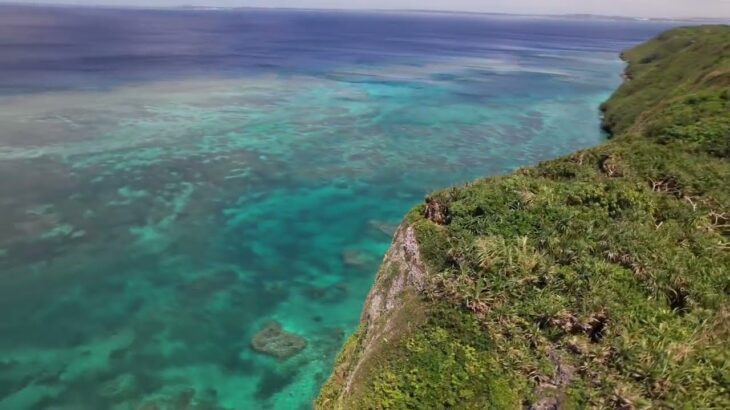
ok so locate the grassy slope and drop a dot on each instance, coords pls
(599, 279)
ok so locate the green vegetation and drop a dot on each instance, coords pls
(601, 279)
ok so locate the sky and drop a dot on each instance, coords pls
(635, 8)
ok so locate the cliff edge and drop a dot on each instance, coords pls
(601, 279)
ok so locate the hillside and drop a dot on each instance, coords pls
(601, 279)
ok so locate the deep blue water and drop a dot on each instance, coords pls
(56, 48)
(171, 181)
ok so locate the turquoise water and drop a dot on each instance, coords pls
(151, 228)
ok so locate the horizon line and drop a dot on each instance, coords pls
(720, 20)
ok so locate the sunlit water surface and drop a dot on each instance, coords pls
(171, 181)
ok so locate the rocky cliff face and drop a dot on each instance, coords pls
(390, 309)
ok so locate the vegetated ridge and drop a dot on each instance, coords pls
(601, 279)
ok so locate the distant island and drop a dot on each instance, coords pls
(598, 280)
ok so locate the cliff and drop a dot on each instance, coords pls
(601, 279)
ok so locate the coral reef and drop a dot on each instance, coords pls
(274, 341)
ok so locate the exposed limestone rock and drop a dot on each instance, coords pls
(437, 212)
(275, 341)
(551, 393)
(404, 256)
(610, 166)
(387, 308)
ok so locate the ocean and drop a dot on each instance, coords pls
(172, 181)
